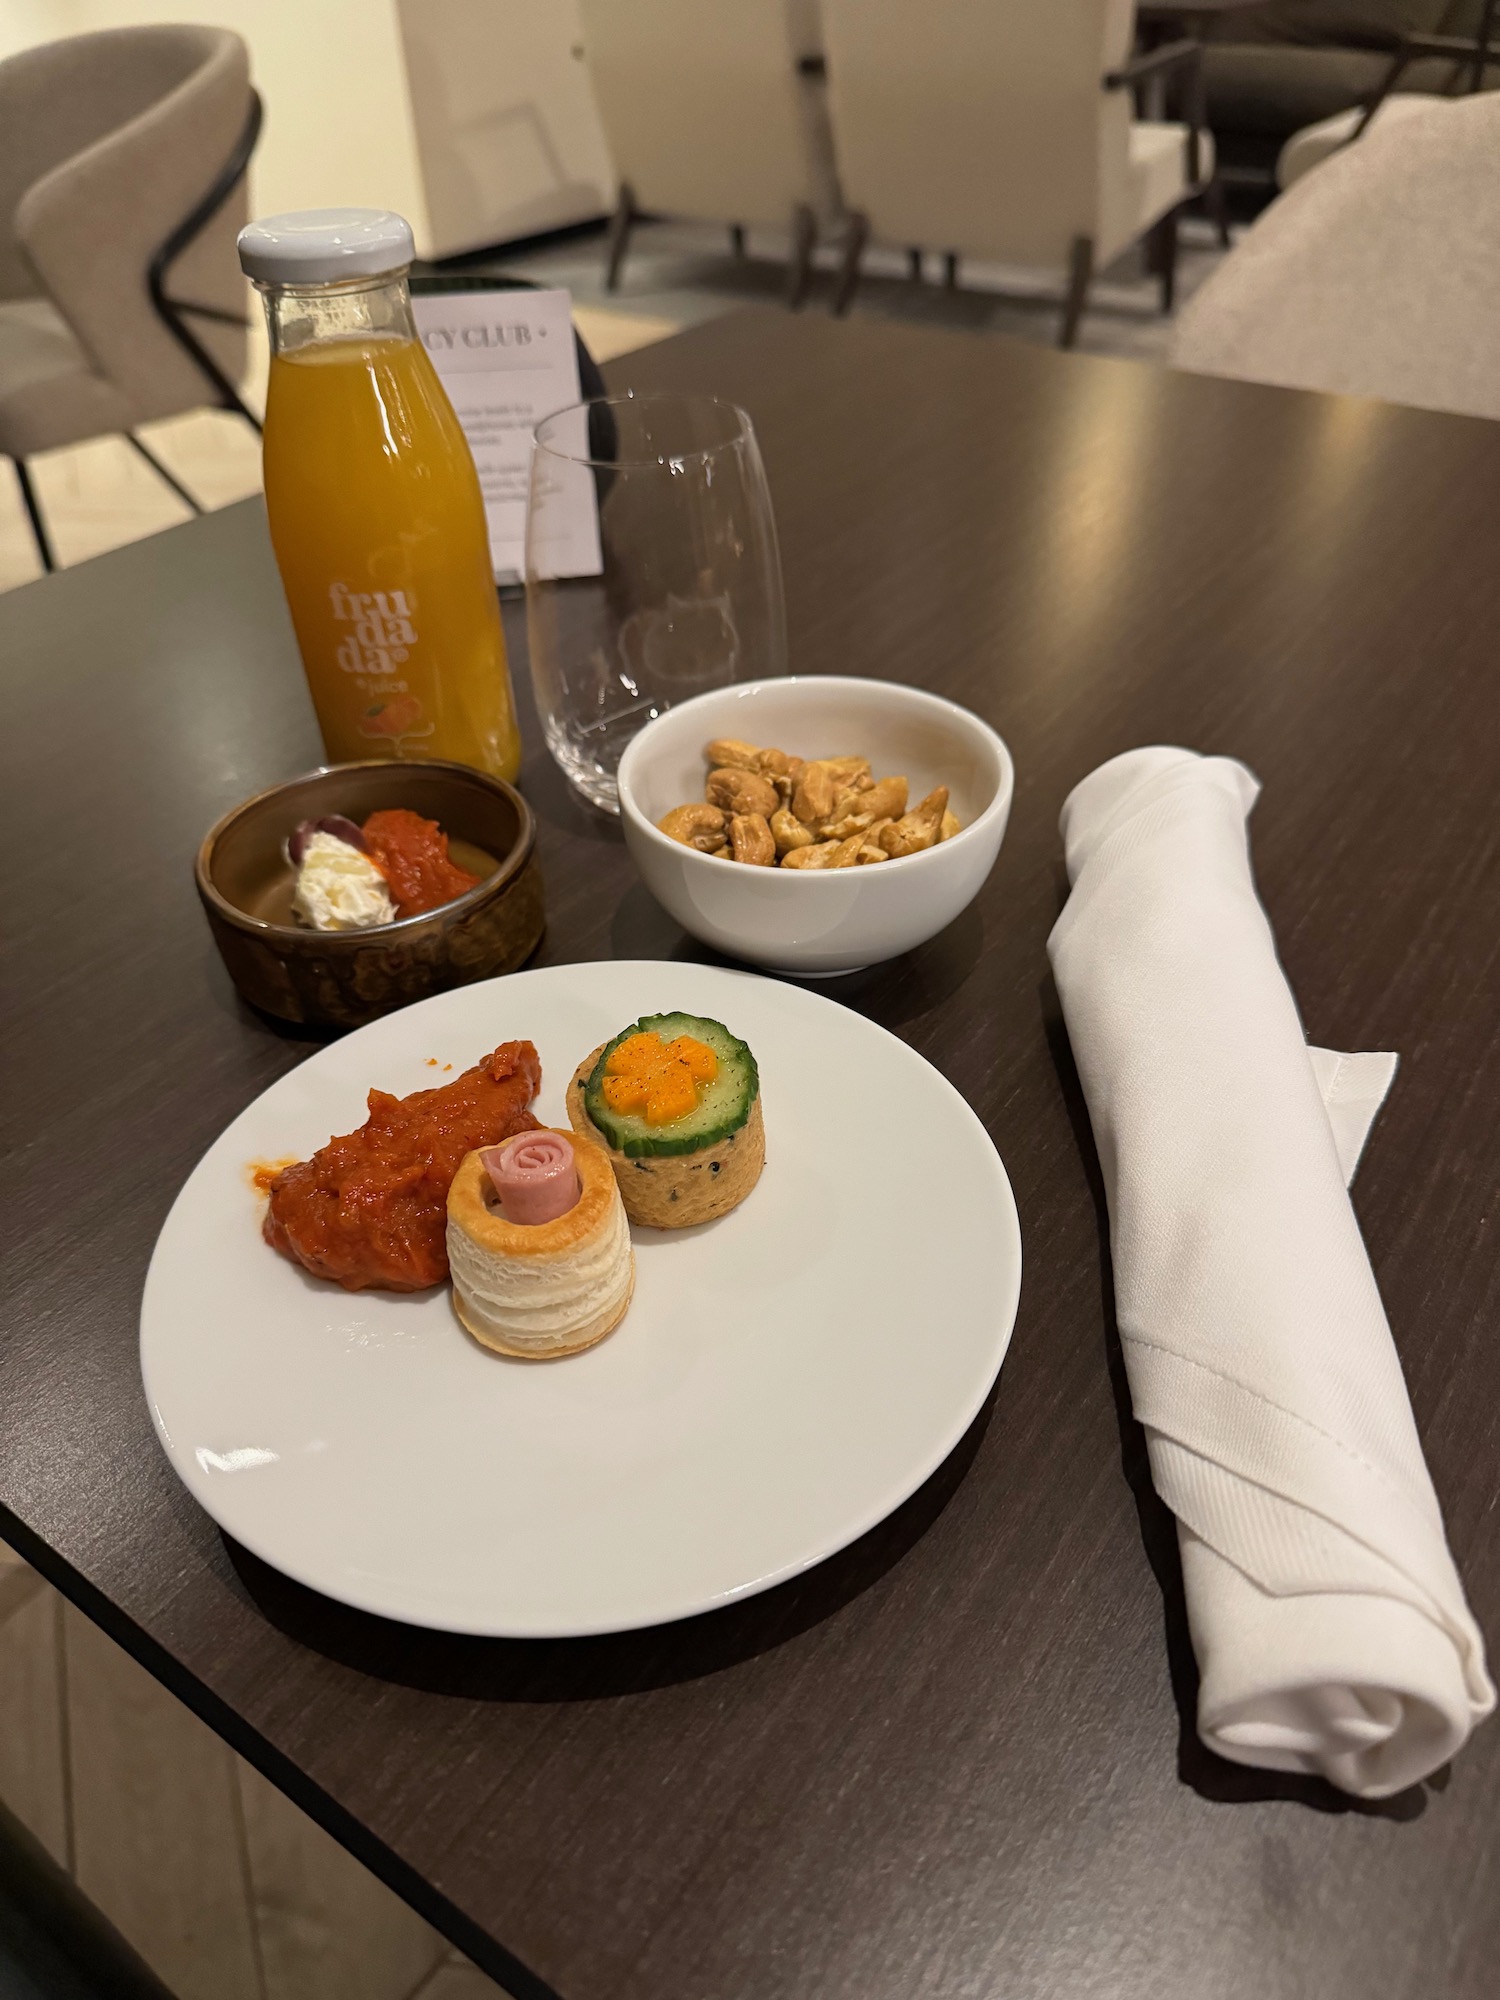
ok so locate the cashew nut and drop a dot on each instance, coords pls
(750, 840)
(918, 829)
(840, 826)
(812, 801)
(789, 832)
(729, 751)
(886, 799)
(700, 827)
(846, 770)
(855, 812)
(765, 806)
(742, 792)
(817, 856)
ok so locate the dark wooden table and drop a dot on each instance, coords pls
(958, 1759)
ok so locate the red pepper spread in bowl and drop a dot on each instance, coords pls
(412, 854)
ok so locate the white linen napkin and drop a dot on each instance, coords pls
(1327, 1617)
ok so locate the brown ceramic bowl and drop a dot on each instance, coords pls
(341, 979)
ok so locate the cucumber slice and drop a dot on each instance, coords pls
(722, 1109)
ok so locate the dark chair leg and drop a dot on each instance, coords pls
(950, 270)
(737, 239)
(1216, 202)
(799, 264)
(854, 248)
(34, 515)
(163, 473)
(1161, 256)
(1080, 277)
(619, 237)
(914, 266)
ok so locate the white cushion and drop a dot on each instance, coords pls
(1155, 180)
(1311, 146)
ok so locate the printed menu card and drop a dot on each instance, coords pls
(507, 359)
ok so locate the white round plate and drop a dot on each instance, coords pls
(784, 1378)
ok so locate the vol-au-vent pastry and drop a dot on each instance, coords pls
(675, 1100)
(538, 1246)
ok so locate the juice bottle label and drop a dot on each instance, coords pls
(377, 636)
(382, 633)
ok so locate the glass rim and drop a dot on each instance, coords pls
(744, 429)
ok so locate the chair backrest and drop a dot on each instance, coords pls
(704, 109)
(980, 126)
(111, 141)
(1376, 275)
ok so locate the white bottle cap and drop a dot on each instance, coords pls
(318, 246)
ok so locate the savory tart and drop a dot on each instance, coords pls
(675, 1101)
(537, 1289)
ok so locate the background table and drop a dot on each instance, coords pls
(1188, 17)
(957, 1759)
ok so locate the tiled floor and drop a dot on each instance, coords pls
(98, 495)
(223, 1886)
(682, 273)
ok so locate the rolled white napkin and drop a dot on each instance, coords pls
(1327, 1617)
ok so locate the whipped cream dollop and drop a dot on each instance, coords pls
(340, 889)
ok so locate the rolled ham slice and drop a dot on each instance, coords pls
(534, 1175)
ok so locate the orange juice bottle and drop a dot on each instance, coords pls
(376, 514)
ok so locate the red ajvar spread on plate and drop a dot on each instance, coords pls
(412, 854)
(370, 1210)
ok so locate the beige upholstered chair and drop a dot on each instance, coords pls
(1314, 144)
(122, 161)
(1374, 276)
(714, 111)
(1004, 129)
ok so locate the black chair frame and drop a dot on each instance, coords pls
(1470, 55)
(174, 314)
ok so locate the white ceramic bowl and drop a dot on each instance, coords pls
(814, 922)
